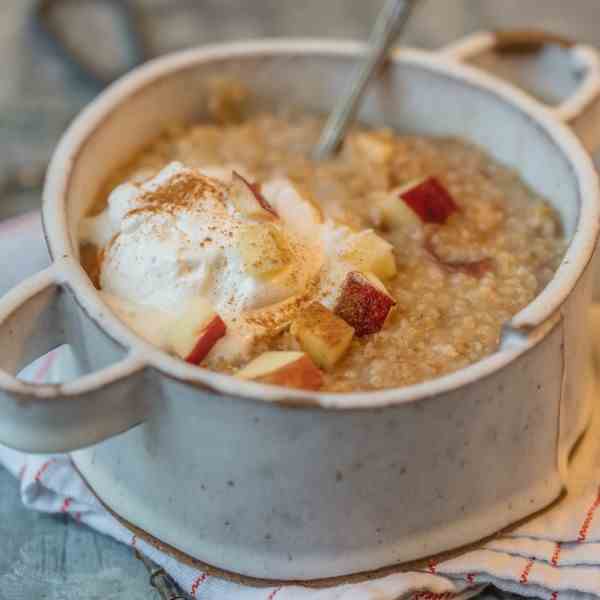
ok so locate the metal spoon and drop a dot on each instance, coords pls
(389, 24)
(159, 579)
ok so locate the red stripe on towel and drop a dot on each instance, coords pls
(42, 469)
(583, 532)
(525, 574)
(554, 563)
(274, 593)
(198, 582)
(556, 555)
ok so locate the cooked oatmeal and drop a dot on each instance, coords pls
(458, 278)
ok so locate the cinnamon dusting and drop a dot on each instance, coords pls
(181, 191)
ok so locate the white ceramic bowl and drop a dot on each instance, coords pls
(281, 484)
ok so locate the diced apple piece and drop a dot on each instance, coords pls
(321, 334)
(364, 303)
(290, 369)
(248, 200)
(294, 204)
(374, 146)
(395, 213)
(209, 336)
(369, 252)
(196, 331)
(429, 199)
(263, 248)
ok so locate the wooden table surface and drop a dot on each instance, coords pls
(51, 557)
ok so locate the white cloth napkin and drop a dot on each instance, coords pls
(555, 555)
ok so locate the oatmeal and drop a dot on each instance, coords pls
(396, 261)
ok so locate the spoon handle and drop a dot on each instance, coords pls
(388, 26)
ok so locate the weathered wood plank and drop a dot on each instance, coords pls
(53, 558)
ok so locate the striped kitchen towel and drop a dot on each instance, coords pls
(554, 555)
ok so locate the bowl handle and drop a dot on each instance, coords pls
(581, 109)
(36, 316)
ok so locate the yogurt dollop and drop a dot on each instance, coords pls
(179, 235)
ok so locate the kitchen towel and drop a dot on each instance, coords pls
(555, 555)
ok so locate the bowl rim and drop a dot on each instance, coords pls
(537, 319)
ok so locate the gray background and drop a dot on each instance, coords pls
(46, 557)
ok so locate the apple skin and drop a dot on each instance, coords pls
(474, 268)
(430, 200)
(298, 372)
(243, 185)
(363, 303)
(209, 336)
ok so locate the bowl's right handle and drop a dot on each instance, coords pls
(582, 109)
(36, 316)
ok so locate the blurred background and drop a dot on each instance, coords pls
(40, 92)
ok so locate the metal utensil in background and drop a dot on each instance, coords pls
(159, 579)
(388, 26)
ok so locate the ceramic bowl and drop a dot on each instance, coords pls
(280, 484)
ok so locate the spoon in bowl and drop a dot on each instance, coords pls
(388, 26)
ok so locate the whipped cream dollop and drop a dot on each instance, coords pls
(179, 235)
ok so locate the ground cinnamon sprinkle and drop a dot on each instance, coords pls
(183, 192)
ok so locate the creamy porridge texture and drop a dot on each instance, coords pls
(396, 261)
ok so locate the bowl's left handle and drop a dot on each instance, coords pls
(37, 316)
(582, 109)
